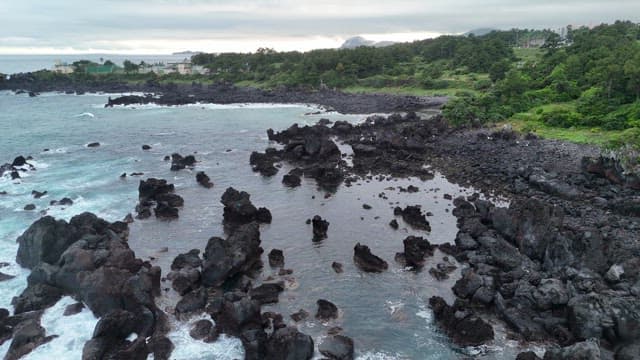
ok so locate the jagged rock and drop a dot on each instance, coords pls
(337, 267)
(326, 310)
(178, 162)
(226, 258)
(276, 258)
(27, 336)
(204, 330)
(204, 180)
(73, 309)
(366, 261)
(394, 224)
(300, 315)
(529, 355)
(461, 325)
(415, 250)
(320, 228)
(413, 216)
(238, 209)
(337, 347)
(291, 180)
(589, 349)
(467, 285)
(165, 211)
(267, 293)
(192, 302)
(289, 344)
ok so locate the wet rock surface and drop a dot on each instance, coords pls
(89, 258)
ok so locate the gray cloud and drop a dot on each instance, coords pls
(170, 25)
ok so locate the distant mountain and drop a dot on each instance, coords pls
(358, 41)
(479, 32)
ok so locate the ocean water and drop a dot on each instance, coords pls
(12, 64)
(386, 314)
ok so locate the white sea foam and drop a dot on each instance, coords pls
(85, 114)
(72, 331)
(187, 348)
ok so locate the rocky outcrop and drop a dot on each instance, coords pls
(460, 323)
(179, 162)
(415, 251)
(204, 180)
(326, 310)
(89, 259)
(158, 193)
(320, 227)
(366, 261)
(413, 216)
(239, 253)
(337, 347)
(238, 209)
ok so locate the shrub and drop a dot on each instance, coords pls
(483, 84)
(561, 118)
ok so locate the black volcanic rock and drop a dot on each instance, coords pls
(413, 216)
(366, 261)
(276, 258)
(238, 209)
(461, 325)
(320, 228)
(204, 180)
(326, 310)
(337, 347)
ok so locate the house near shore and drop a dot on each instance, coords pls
(63, 68)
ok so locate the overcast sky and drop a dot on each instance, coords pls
(165, 26)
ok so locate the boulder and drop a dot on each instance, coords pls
(461, 325)
(415, 250)
(587, 350)
(367, 261)
(238, 209)
(267, 293)
(238, 254)
(320, 228)
(26, 337)
(204, 330)
(337, 347)
(289, 344)
(276, 258)
(291, 180)
(178, 162)
(413, 216)
(326, 310)
(204, 180)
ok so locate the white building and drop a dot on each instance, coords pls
(63, 68)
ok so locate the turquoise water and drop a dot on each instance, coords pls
(386, 314)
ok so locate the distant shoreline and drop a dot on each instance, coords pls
(225, 93)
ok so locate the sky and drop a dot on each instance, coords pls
(166, 26)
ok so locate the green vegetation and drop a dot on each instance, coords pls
(584, 86)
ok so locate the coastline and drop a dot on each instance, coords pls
(223, 93)
(558, 202)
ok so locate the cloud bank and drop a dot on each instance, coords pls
(162, 26)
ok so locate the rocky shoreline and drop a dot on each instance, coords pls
(224, 93)
(559, 266)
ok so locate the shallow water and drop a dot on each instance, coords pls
(386, 314)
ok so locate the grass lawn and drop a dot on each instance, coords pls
(530, 122)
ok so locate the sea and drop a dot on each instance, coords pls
(386, 314)
(13, 64)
